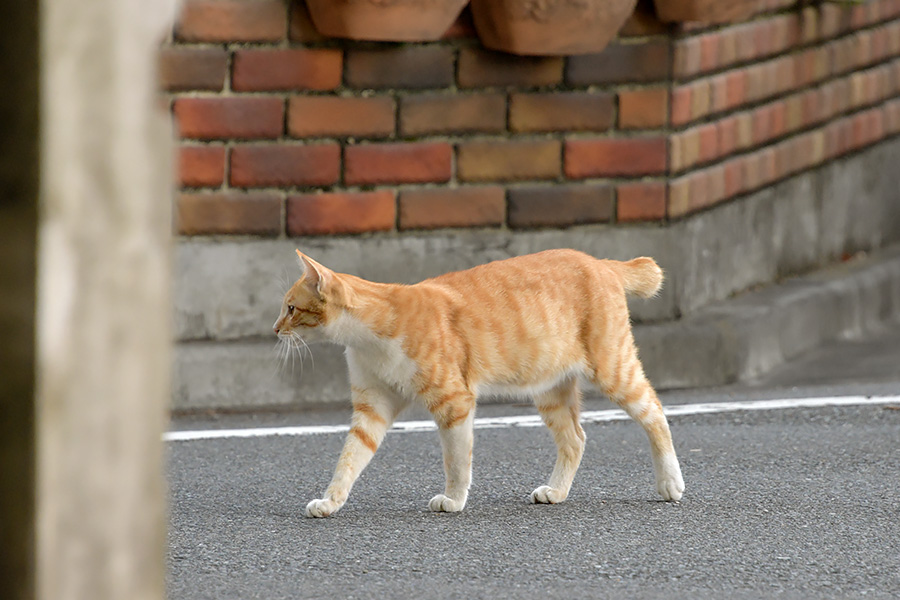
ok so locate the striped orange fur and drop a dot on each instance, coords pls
(533, 325)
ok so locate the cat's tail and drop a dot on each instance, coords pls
(641, 276)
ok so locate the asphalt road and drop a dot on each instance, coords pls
(791, 503)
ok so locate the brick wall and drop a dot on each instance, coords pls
(286, 133)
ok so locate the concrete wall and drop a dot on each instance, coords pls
(228, 291)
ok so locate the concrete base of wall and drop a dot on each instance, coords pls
(228, 291)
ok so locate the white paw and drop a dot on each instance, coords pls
(442, 503)
(669, 482)
(547, 495)
(321, 508)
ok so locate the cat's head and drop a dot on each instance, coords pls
(305, 308)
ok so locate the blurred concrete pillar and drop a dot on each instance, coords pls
(19, 178)
(103, 301)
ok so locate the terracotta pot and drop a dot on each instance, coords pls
(385, 20)
(706, 11)
(549, 27)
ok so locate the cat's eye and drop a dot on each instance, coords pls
(290, 308)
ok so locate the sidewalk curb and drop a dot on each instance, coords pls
(746, 336)
(733, 340)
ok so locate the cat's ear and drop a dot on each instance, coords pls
(317, 276)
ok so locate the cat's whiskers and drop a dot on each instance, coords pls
(290, 347)
(283, 352)
(280, 355)
(303, 348)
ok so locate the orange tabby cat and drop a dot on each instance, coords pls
(533, 325)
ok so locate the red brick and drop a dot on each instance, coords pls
(280, 165)
(340, 116)
(734, 178)
(701, 99)
(840, 98)
(690, 147)
(699, 190)
(613, 157)
(784, 75)
(752, 171)
(709, 51)
(892, 117)
(484, 68)
(644, 201)
(687, 57)
(232, 21)
(793, 113)
(762, 125)
(784, 31)
(201, 166)
(407, 66)
(786, 155)
(287, 69)
(718, 88)
(452, 113)
(744, 130)
(646, 61)
(681, 105)
(728, 47)
(228, 213)
(457, 207)
(809, 25)
(834, 20)
(680, 147)
(762, 38)
(709, 142)
(507, 160)
(233, 117)
(736, 88)
(727, 135)
(716, 184)
(337, 213)
(893, 39)
(745, 42)
(812, 111)
(421, 162)
(184, 68)
(757, 82)
(560, 206)
(770, 170)
(646, 108)
(879, 44)
(778, 115)
(679, 196)
(561, 111)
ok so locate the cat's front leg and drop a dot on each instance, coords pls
(373, 413)
(455, 424)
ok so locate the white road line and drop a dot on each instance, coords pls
(596, 416)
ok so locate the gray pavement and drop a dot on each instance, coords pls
(795, 503)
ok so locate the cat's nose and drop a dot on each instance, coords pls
(276, 329)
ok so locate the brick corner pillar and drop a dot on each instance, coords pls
(103, 316)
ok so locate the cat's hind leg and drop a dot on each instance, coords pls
(560, 409)
(622, 378)
(373, 413)
(455, 416)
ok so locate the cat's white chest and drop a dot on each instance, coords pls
(374, 360)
